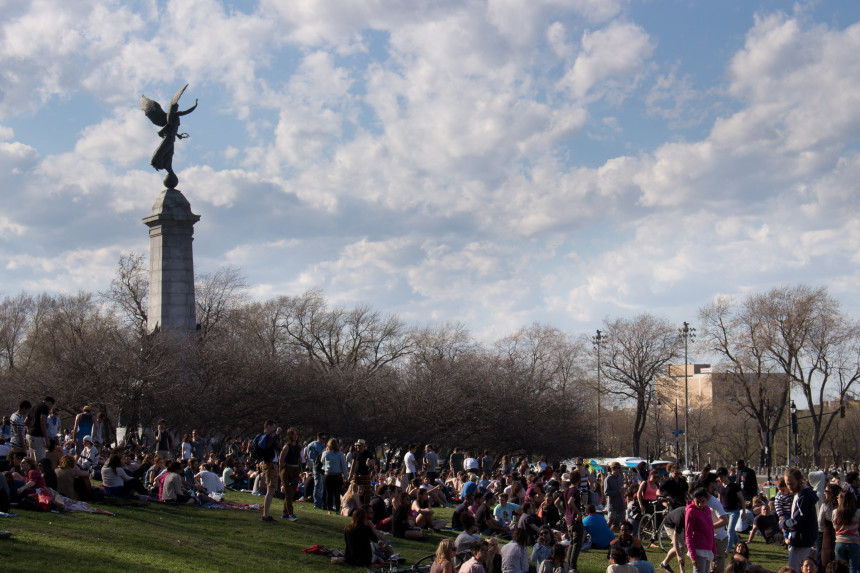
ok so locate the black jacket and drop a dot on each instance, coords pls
(802, 525)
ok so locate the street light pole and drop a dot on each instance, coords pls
(687, 334)
(598, 341)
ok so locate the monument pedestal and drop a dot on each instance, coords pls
(171, 264)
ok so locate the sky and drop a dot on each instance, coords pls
(494, 163)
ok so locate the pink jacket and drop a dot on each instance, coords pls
(699, 530)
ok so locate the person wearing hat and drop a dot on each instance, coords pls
(89, 455)
(359, 472)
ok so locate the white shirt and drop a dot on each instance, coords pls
(409, 460)
(470, 464)
(717, 512)
(515, 558)
(210, 481)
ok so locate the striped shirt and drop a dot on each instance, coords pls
(847, 532)
(19, 428)
(782, 504)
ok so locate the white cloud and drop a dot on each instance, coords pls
(610, 61)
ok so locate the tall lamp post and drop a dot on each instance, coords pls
(598, 341)
(793, 409)
(688, 334)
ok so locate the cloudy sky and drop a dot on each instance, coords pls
(494, 162)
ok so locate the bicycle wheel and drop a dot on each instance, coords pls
(646, 530)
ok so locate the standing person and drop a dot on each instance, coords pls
(18, 421)
(748, 483)
(614, 491)
(83, 427)
(313, 451)
(334, 468)
(164, 440)
(585, 482)
(53, 425)
(359, 471)
(198, 446)
(288, 462)
(456, 461)
(409, 462)
(721, 538)
(852, 484)
(185, 447)
(675, 487)
(845, 520)
(37, 430)
(264, 447)
(99, 432)
(699, 531)
(802, 524)
(487, 462)
(6, 429)
(826, 544)
(674, 524)
(572, 501)
(431, 462)
(733, 502)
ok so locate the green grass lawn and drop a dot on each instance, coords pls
(154, 537)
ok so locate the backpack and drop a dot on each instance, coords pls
(260, 449)
(318, 462)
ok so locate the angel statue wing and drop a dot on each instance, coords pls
(153, 111)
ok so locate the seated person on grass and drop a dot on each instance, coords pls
(117, 482)
(618, 562)
(484, 516)
(768, 524)
(484, 555)
(505, 512)
(742, 555)
(170, 486)
(460, 511)
(210, 481)
(636, 556)
(529, 522)
(28, 481)
(597, 528)
(625, 539)
(468, 536)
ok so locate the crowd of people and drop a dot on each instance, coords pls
(510, 515)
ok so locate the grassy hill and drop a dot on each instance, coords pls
(154, 537)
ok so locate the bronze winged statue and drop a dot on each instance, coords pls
(169, 123)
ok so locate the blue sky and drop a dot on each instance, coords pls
(489, 162)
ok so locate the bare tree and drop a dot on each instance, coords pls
(798, 332)
(216, 295)
(636, 351)
(129, 290)
(740, 336)
(16, 314)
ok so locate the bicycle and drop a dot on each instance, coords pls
(651, 530)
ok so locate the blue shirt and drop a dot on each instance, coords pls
(643, 566)
(468, 487)
(598, 529)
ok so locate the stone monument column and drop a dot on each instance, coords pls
(171, 230)
(171, 264)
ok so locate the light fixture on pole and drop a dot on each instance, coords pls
(598, 341)
(688, 334)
